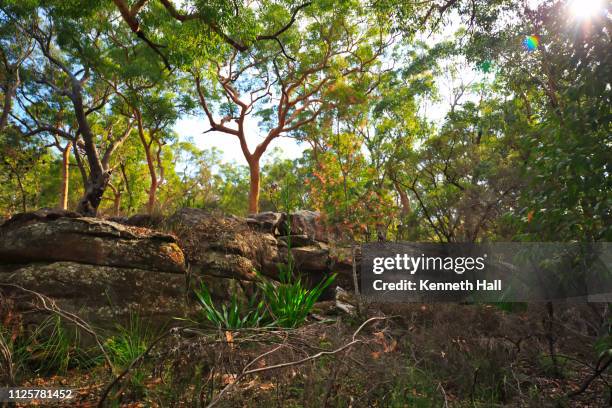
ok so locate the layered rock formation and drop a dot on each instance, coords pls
(102, 269)
(93, 267)
(234, 247)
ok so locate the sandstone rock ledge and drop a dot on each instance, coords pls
(101, 295)
(96, 268)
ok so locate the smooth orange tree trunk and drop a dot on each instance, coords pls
(254, 186)
(150, 163)
(65, 176)
(406, 209)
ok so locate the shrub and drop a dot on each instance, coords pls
(128, 344)
(233, 316)
(289, 302)
(286, 303)
(54, 348)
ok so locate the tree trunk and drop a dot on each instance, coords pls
(152, 194)
(152, 175)
(150, 163)
(65, 176)
(127, 187)
(98, 175)
(116, 199)
(88, 205)
(117, 204)
(254, 185)
(403, 199)
(9, 93)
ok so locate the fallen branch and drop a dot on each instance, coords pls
(245, 372)
(49, 305)
(133, 364)
(599, 369)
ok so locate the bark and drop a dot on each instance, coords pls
(116, 199)
(254, 185)
(127, 187)
(98, 177)
(403, 199)
(117, 204)
(9, 93)
(150, 164)
(89, 203)
(65, 176)
(154, 182)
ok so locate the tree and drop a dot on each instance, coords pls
(328, 53)
(67, 75)
(237, 24)
(15, 47)
(69, 64)
(158, 115)
(563, 89)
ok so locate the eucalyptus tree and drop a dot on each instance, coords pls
(73, 52)
(239, 24)
(331, 48)
(15, 47)
(562, 84)
(59, 73)
(146, 97)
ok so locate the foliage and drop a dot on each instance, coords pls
(52, 347)
(514, 151)
(127, 344)
(283, 304)
(289, 302)
(233, 316)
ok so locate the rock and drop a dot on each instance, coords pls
(325, 308)
(38, 215)
(297, 240)
(35, 237)
(341, 262)
(311, 224)
(345, 301)
(229, 247)
(224, 246)
(118, 219)
(225, 288)
(268, 221)
(144, 220)
(186, 217)
(100, 295)
(224, 266)
(311, 258)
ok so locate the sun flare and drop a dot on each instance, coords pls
(584, 9)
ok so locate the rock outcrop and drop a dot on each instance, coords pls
(235, 248)
(103, 268)
(58, 236)
(225, 247)
(97, 267)
(101, 295)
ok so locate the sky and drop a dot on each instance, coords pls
(193, 127)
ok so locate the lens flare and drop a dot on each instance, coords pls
(531, 42)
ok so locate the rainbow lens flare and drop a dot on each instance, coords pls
(531, 42)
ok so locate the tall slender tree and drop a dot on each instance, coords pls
(324, 55)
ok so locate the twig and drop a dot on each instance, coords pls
(599, 369)
(137, 360)
(50, 305)
(444, 394)
(246, 372)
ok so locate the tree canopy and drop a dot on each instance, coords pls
(451, 120)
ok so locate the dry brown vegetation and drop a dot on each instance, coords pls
(408, 355)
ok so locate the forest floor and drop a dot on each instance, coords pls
(403, 356)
